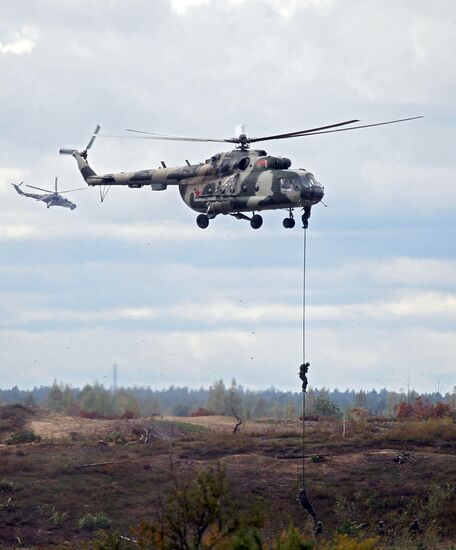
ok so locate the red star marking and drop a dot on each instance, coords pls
(197, 192)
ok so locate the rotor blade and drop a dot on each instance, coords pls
(71, 190)
(154, 135)
(301, 132)
(40, 188)
(92, 139)
(313, 133)
(367, 125)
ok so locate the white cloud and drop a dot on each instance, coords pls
(413, 186)
(409, 308)
(10, 175)
(285, 8)
(22, 43)
(362, 357)
(164, 231)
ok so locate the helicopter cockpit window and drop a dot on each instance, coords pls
(306, 181)
(312, 179)
(285, 184)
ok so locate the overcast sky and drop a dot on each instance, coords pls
(134, 281)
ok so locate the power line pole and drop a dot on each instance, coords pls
(114, 377)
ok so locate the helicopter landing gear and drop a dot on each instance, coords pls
(289, 222)
(305, 217)
(202, 221)
(256, 222)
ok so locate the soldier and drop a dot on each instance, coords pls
(414, 528)
(305, 503)
(303, 369)
(381, 528)
(318, 528)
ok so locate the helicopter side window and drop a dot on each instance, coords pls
(285, 184)
(296, 183)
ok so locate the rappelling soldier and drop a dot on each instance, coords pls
(303, 369)
(305, 503)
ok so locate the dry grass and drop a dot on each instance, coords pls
(429, 432)
(355, 483)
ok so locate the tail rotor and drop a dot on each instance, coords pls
(84, 153)
(92, 139)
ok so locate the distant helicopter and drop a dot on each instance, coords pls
(51, 198)
(237, 182)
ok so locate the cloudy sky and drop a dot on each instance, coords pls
(133, 281)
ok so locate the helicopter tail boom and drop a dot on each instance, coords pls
(18, 188)
(86, 170)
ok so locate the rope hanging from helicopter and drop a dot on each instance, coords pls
(104, 190)
(303, 369)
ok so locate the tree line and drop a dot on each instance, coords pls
(219, 398)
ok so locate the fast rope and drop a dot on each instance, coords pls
(303, 369)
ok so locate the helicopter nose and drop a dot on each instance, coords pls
(314, 193)
(317, 192)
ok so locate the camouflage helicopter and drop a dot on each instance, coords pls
(51, 198)
(240, 183)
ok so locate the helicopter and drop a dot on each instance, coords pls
(240, 183)
(51, 198)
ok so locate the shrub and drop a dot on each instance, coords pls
(13, 417)
(57, 518)
(325, 407)
(5, 486)
(427, 431)
(422, 409)
(24, 436)
(292, 539)
(344, 542)
(202, 412)
(197, 515)
(91, 522)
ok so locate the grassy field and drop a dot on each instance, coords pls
(79, 467)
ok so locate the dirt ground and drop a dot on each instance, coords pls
(103, 466)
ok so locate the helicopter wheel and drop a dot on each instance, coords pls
(202, 221)
(256, 222)
(289, 223)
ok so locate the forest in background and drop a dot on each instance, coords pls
(219, 398)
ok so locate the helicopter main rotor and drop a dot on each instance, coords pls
(243, 142)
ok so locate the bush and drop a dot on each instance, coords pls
(5, 486)
(24, 436)
(427, 431)
(202, 412)
(13, 417)
(292, 539)
(325, 407)
(91, 522)
(423, 409)
(197, 515)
